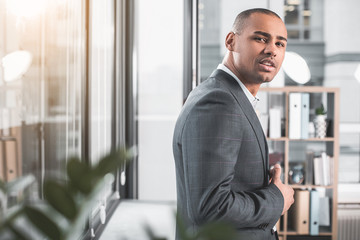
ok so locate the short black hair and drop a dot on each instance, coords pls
(244, 15)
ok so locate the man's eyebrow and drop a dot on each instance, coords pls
(265, 34)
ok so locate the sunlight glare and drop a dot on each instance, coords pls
(26, 8)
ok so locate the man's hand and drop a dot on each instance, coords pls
(286, 190)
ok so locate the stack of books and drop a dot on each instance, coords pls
(319, 169)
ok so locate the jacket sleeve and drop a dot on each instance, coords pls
(211, 142)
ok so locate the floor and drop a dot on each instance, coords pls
(132, 217)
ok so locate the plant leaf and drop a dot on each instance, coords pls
(43, 223)
(111, 162)
(216, 231)
(2, 186)
(180, 225)
(19, 235)
(60, 199)
(79, 174)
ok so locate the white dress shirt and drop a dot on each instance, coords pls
(252, 99)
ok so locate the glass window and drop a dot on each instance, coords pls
(349, 160)
(302, 17)
(43, 88)
(292, 13)
(102, 50)
(101, 76)
(160, 50)
(40, 88)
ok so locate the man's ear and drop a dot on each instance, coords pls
(229, 41)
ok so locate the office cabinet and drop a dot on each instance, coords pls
(309, 157)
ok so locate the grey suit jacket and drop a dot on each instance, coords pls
(221, 160)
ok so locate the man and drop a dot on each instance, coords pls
(220, 150)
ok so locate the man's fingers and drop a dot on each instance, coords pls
(276, 172)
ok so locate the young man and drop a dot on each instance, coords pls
(220, 150)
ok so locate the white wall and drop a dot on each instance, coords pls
(341, 26)
(342, 51)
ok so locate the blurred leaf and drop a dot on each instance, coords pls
(111, 162)
(60, 199)
(19, 184)
(183, 234)
(79, 174)
(88, 202)
(19, 235)
(216, 231)
(151, 234)
(43, 223)
(2, 186)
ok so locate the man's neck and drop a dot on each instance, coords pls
(252, 87)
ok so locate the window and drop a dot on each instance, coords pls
(62, 89)
(304, 19)
(159, 45)
(41, 106)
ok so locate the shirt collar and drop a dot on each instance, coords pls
(252, 99)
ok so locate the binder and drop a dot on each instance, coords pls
(324, 211)
(314, 212)
(309, 166)
(318, 171)
(305, 112)
(323, 168)
(295, 115)
(300, 212)
(10, 160)
(275, 122)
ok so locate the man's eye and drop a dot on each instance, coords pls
(280, 44)
(260, 39)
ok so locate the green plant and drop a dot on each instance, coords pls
(209, 231)
(320, 110)
(67, 204)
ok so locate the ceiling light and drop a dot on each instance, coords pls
(296, 68)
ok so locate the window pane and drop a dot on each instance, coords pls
(291, 13)
(160, 50)
(40, 91)
(294, 34)
(101, 76)
(101, 84)
(349, 159)
(40, 105)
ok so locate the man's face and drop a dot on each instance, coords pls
(259, 50)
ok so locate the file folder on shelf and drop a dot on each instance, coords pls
(305, 112)
(299, 212)
(275, 122)
(314, 212)
(295, 115)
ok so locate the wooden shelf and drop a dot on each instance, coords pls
(286, 145)
(297, 186)
(277, 139)
(292, 233)
(327, 139)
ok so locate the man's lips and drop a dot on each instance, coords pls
(267, 65)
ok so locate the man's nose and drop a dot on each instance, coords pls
(270, 49)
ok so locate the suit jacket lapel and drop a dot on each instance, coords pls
(249, 111)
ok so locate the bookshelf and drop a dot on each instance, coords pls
(295, 152)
